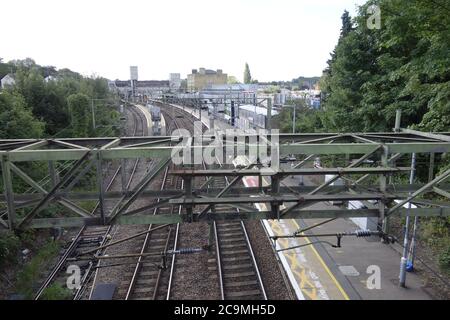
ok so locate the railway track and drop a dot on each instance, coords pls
(237, 269)
(152, 278)
(88, 238)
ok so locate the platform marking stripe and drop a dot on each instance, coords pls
(333, 278)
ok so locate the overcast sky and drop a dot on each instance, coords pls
(280, 39)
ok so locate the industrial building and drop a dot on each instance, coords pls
(200, 79)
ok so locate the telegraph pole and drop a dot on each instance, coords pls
(93, 114)
(293, 120)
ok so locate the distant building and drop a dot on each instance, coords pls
(252, 117)
(227, 88)
(134, 73)
(50, 78)
(174, 81)
(198, 80)
(143, 88)
(8, 81)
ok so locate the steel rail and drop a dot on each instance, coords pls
(59, 264)
(134, 112)
(146, 243)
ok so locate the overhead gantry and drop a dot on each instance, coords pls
(369, 171)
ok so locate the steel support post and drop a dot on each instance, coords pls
(398, 116)
(431, 167)
(188, 189)
(404, 259)
(101, 190)
(52, 173)
(275, 191)
(9, 192)
(383, 221)
(123, 175)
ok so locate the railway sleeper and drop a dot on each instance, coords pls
(237, 266)
(249, 294)
(239, 274)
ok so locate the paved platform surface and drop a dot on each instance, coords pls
(356, 261)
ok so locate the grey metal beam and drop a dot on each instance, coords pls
(423, 189)
(140, 187)
(81, 174)
(330, 181)
(441, 192)
(101, 196)
(32, 146)
(143, 144)
(400, 190)
(67, 144)
(111, 144)
(66, 203)
(9, 191)
(232, 215)
(435, 136)
(288, 172)
(281, 198)
(48, 196)
(74, 208)
(226, 189)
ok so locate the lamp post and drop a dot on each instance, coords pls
(293, 118)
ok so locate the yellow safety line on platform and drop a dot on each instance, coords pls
(346, 297)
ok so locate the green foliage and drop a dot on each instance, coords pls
(347, 24)
(306, 119)
(403, 65)
(31, 273)
(232, 80)
(56, 292)
(9, 245)
(47, 98)
(444, 259)
(247, 74)
(6, 68)
(79, 108)
(16, 119)
(272, 89)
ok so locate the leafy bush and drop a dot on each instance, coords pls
(30, 274)
(9, 244)
(56, 292)
(444, 259)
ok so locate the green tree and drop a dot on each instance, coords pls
(347, 24)
(16, 119)
(247, 74)
(403, 65)
(232, 80)
(79, 109)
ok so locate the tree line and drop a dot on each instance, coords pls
(45, 102)
(373, 72)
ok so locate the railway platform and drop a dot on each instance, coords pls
(317, 272)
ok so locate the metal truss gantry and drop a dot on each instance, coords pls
(369, 156)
